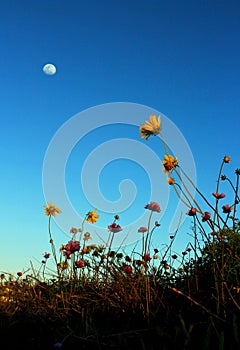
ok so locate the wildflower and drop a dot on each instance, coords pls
(226, 208)
(155, 257)
(219, 195)
(72, 246)
(192, 212)
(46, 255)
(79, 263)
(146, 257)
(138, 262)
(237, 171)
(51, 209)
(87, 237)
(63, 246)
(157, 224)
(91, 216)
(184, 253)
(226, 159)
(112, 254)
(67, 254)
(114, 228)
(127, 269)
(156, 250)
(151, 127)
(154, 206)
(174, 256)
(188, 249)
(19, 273)
(171, 237)
(116, 217)
(170, 180)
(142, 229)
(92, 246)
(63, 265)
(206, 216)
(74, 230)
(128, 259)
(2, 276)
(169, 163)
(87, 249)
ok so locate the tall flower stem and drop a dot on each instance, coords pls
(52, 243)
(148, 232)
(201, 195)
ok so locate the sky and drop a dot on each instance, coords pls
(117, 62)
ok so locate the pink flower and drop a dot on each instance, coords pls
(72, 246)
(192, 212)
(127, 269)
(67, 253)
(46, 255)
(74, 230)
(79, 263)
(146, 257)
(142, 229)
(114, 228)
(206, 216)
(219, 195)
(154, 206)
(226, 208)
(19, 274)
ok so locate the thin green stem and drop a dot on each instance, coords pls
(148, 231)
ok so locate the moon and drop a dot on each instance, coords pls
(49, 69)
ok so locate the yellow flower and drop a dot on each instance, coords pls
(171, 180)
(63, 265)
(91, 216)
(62, 247)
(226, 159)
(51, 209)
(151, 127)
(169, 163)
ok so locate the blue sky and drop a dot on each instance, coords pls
(180, 58)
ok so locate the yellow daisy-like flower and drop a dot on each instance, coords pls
(226, 159)
(151, 127)
(91, 216)
(169, 163)
(63, 265)
(62, 248)
(171, 180)
(51, 209)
